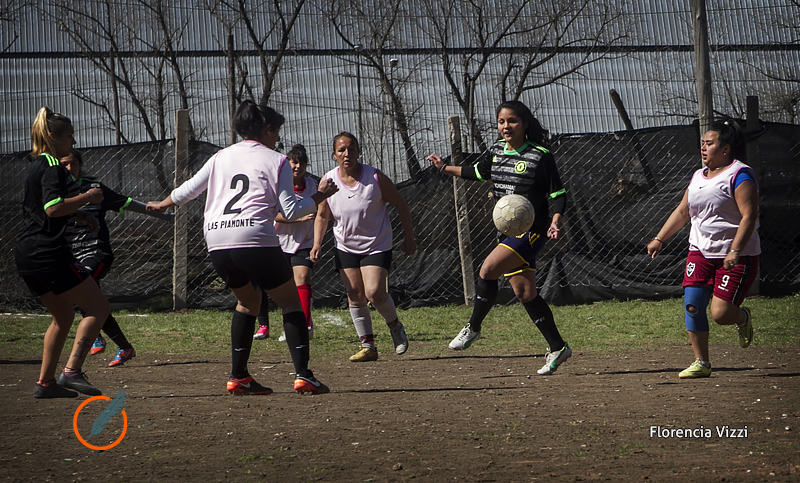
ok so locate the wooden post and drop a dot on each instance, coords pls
(462, 213)
(231, 88)
(753, 151)
(180, 252)
(705, 104)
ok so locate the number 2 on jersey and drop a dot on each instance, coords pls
(229, 209)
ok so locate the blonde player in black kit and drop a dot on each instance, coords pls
(519, 163)
(46, 264)
(247, 185)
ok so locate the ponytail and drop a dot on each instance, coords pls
(47, 124)
(250, 119)
(729, 132)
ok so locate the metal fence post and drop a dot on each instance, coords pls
(462, 213)
(180, 260)
(753, 153)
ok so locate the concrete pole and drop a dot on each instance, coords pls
(705, 104)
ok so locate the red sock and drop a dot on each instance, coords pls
(304, 291)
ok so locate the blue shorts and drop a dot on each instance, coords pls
(526, 247)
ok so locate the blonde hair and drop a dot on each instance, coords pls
(47, 124)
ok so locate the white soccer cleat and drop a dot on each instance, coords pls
(464, 339)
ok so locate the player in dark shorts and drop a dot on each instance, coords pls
(247, 184)
(46, 264)
(519, 163)
(93, 249)
(296, 239)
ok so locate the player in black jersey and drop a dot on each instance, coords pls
(518, 163)
(45, 262)
(93, 249)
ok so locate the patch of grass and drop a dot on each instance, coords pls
(601, 326)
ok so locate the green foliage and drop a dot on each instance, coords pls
(507, 330)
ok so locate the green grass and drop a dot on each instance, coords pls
(597, 327)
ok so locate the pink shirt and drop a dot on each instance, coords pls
(715, 215)
(247, 184)
(360, 219)
(298, 236)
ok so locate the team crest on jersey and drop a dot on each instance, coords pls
(689, 269)
(520, 167)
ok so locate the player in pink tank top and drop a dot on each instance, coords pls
(722, 204)
(363, 237)
(296, 239)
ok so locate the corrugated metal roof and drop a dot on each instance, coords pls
(317, 90)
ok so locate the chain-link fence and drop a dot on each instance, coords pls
(621, 188)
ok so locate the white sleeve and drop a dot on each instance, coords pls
(291, 208)
(193, 187)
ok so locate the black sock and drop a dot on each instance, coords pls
(296, 329)
(242, 328)
(112, 330)
(263, 312)
(485, 296)
(542, 316)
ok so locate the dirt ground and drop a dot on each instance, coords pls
(457, 417)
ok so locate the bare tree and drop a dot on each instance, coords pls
(474, 25)
(106, 29)
(369, 30)
(573, 34)
(9, 12)
(110, 35)
(271, 41)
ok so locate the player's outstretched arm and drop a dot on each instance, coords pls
(160, 206)
(139, 207)
(393, 197)
(438, 163)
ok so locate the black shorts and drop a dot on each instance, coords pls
(302, 258)
(58, 281)
(351, 260)
(96, 267)
(264, 267)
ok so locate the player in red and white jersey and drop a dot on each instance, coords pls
(363, 237)
(248, 184)
(722, 204)
(296, 239)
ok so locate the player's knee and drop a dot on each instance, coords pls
(525, 296)
(695, 301)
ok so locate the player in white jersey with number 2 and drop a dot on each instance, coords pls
(248, 184)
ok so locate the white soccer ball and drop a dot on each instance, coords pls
(513, 215)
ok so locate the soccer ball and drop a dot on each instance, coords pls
(513, 215)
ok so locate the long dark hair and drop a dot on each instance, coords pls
(729, 132)
(251, 118)
(535, 132)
